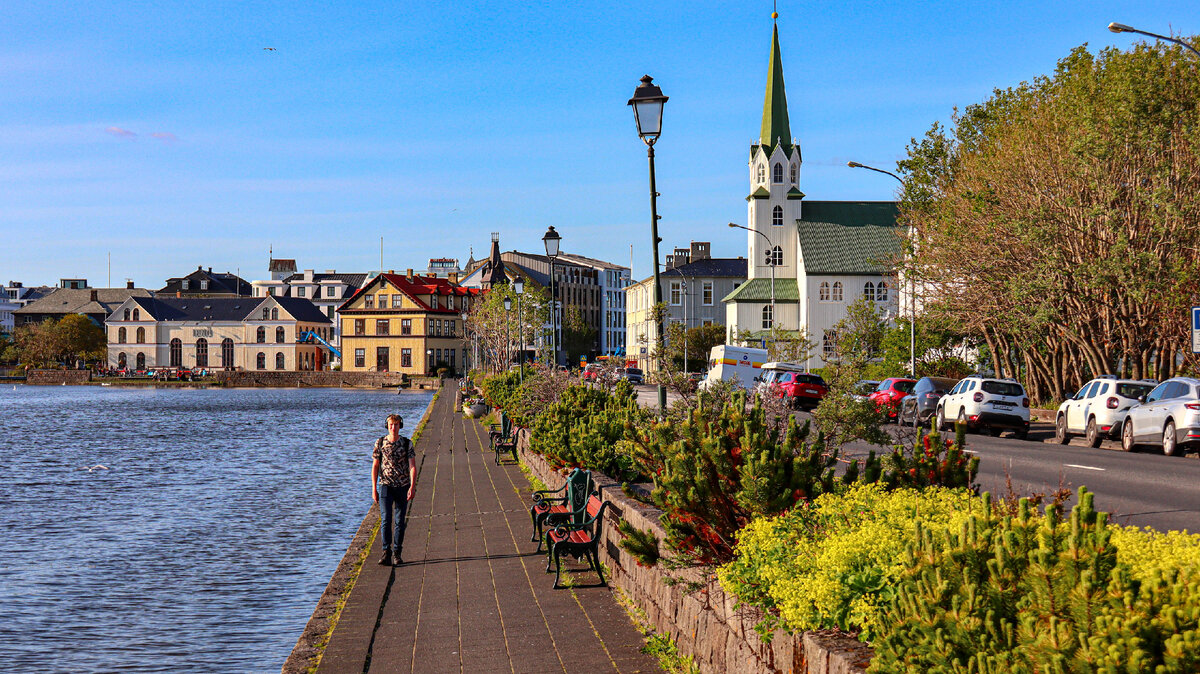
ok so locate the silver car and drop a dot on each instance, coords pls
(1170, 415)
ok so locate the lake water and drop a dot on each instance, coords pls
(206, 543)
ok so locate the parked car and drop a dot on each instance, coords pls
(986, 403)
(888, 394)
(802, 390)
(864, 388)
(1169, 414)
(917, 407)
(1099, 409)
(591, 371)
(631, 374)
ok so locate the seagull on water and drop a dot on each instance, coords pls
(96, 467)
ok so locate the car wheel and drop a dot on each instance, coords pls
(1168, 442)
(1060, 430)
(1093, 433)
(941, 419)
(962, 418)
(994, 432)
(1022, 434)
(1127, 442)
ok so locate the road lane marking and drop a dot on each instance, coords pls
(1073, 465)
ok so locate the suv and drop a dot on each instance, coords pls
(1169, 414)
(918, 406)
(1099, 409)
(888, 394)
(986, 403)
(802, 389)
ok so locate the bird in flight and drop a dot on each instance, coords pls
(268, 49)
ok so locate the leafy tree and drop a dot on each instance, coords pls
(844, 415)
(500, 333)
(700, 342)
(579, 338)
(79, 338)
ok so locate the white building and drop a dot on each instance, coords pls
(613, 279)
(824, 254)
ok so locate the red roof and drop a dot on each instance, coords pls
(422, 285)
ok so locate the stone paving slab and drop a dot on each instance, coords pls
(472, 595)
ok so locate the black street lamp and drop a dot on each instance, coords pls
(1122, 28)
(552, 240)
(647, 104)
(519, 288)
(507, 332)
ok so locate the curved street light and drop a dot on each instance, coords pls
(1122, 28)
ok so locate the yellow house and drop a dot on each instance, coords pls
(405, 323)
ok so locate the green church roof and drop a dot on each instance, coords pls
(849, 237)
(775, 127)
(759, 290)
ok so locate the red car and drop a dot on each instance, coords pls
(801, 389)
(889, 393)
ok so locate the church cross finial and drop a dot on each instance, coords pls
(775, 10)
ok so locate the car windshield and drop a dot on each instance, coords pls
(1133, 390)
(633, 370)
(810, 379)
(904, 386)
(1003, 388)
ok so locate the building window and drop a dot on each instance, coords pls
(141, 335)
(451, 326)
(301, 292)
(120, 335)
(275, 313)
(775, 257)
(869, 292)
(121, 360)
(360, 326)
(405, 357)
(202, 352)
(266, 313)
(823, 292)
(260, 361)
(137, 315)
(176, 353)
(183, 285)
(706, 293)
(676, 293)
(829, 342)
(369, 302)
(360, 358)
(795, 172)
(768, 317)
(737, 284)
(381, 326)
(406, 326)
(777, 216)
(450, 358)
(227, 353)
(279, 335)
(881, 293)
(126, 314)
(329, 311)
(279, 361)
(141, 361)
(204, 285)
(262, 335)
(762, 173)
(777, 174)
(837, 291)
(397, 301)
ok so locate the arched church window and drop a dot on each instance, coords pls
(126, 314)
(837, 291)
(120, 335)
(829, 342)
(775, 257)
(141, 335)
(777, 216)
(762, 173)
(795, 172)
(777, 174)
(137, 315)
(882, 293)
(869, 292)
(768, 317)
(823, 292)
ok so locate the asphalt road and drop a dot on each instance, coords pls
(1143, 488)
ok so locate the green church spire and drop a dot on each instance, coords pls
(775, 115)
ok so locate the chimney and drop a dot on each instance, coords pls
(94, 296)
(129, 285)
(408, 274)
(210, 270)
(453, 277)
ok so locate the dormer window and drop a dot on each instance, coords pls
(183, 285)
(204, 285)
(777, 174)
(795, 172)
(777, 216)
(762, 173)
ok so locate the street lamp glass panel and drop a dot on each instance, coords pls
(519, 286)
(551, 239)
(647, 105)
(508, 304)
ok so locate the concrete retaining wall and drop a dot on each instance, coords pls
(58, 377)
(296, 379)
(704, 624)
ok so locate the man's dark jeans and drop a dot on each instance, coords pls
(389, 498)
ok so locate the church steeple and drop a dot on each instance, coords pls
(775, 127)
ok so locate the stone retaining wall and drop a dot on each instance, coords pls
(58, 377)
(300, 379)
(703, 624)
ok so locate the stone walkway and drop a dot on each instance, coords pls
(473, 596)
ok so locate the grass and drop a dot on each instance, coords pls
(657, 645)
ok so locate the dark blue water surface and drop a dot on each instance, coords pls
(206, 543)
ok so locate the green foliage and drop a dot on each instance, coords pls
(643, 545)
(834, 562)
(579, 338)
(1033, 594)
(700, 341)
(587, 428)
(844, 416)
(72, 338)
(933, 462)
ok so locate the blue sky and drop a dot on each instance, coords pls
(165, 134)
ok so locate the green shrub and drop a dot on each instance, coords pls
(834, 562)
(587, 428)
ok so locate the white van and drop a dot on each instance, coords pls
(727, 362)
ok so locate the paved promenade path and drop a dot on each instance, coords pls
(472, 595)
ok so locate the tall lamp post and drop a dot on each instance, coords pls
(552, 240)
(647, 104)
(770, 263)
(519, 288)
(1122, 28)
(507, 332)
(912, 296)
(467, 365)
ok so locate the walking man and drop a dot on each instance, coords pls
(393, 480)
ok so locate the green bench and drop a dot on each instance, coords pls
(566, 504)
(580, 540)
(503, 437)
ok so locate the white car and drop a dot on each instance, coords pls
(1170, 415)
(986, 403)
(1099, 409)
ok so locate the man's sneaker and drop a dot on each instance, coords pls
(396, 561)
(386, 559)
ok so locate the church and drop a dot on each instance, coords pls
(808, 260)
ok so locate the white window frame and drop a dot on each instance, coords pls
(676, 293)
(706, 293)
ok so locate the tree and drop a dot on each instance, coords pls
(700, 342)
(500, 333)
(793, 346)
(844, 415)
(579, 338)
(1055, 222)
(80, 339)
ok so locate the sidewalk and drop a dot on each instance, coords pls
(472, 595)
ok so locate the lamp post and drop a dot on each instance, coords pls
(552, 239)
(471, 364)
(647, 104)
(507, 332)
(770, 262)
(912, 295)
(519, 288)
(1122, 28)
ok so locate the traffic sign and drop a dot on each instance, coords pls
(1195, 329)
